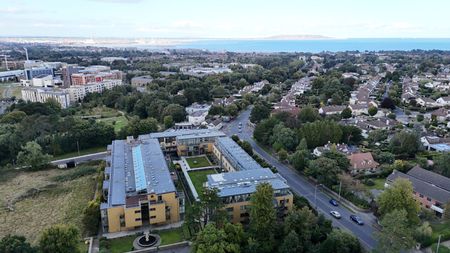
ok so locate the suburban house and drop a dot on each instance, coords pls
(426, 102)
(333, 109)
(436, 143)
(362, 163)
(441, 114)
(430, 189)
(341, 148)
(443, 101)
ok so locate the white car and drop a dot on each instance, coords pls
(335, 214)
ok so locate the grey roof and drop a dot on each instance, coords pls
(137, 167)
(430, 177)
(238, 158)
(244, 182)
(422, 187)
(186, 133)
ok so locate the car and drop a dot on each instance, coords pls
(240, 130)
(240, 123)
(334, 202)
(356, 219)
(335, 214)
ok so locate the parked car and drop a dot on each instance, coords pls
(335, 214)
(334, 202)
(356, 219)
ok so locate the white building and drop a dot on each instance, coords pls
(42, 95)
(197, 118)
(78, 92)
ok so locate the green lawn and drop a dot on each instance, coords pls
(199, 177)
(441, 228)
(379, 184)
(82, 152)
(124, 244)
(117, 122)
(198, 162)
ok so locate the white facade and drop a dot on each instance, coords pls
(42, 95)
(197, 118)
(78, 92)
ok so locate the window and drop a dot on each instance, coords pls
(230, 209)
(152, 209)
(159, 198)
(137, 219)
(429, 199)
(137, 211)
(152, 217)
(427, 206)
(421, 195)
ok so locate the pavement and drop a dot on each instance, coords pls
(81, 159)
(301, 186)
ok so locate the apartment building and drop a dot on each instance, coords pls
(232, 157)
(138, 187)
(43, 94)
(431, 190)
(78, 92)
(187, 142)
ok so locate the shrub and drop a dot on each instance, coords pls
(369, 182)
(75, 173)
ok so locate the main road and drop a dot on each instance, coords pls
(301, 186)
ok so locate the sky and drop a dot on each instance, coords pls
(225, 18)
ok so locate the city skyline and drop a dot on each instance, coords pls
(231, 19)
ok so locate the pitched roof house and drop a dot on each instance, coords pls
(362, 162)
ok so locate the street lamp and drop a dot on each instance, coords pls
(315, 194)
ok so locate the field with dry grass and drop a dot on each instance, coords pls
(33, 201)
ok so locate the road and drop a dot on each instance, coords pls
(301, 186)
(80, 159)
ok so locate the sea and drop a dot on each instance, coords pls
(316, 46)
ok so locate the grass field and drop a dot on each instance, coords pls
(198, 162)
(36, 201)
(117, 122)
(199, 177)
(104, 112)
(124, 244)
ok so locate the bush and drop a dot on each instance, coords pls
(368, 182)
(442, 248)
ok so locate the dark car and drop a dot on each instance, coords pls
(334, 202)
(356, 219)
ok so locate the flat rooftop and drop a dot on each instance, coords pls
(244, 182)
(186, 134)
(137, 167)
(240, 159)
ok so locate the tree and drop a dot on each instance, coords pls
(232, 110)
(247, 147)
(138, 126)
(446, 215)
(291, 243)
(325, 170)
(259, 112)
(212, 239)
(419, 117)
(387, 103)
(341, 159)
(216, 110)
(176, 111)
(13, 117)
(285, 137)
(15, 244)
(262, 218)
(32, 156)
(91, 217)
(399, 196)
(340, 242)
(168, 121)
(346, 113)
(282, 154)
(59, 239)
(396, 235)
(299, 159)
(308, 114)
(377, 135)
(372, 110)
(320, 133)
(303, 145)
(423, 233)
(264, 130)
(442, 164)
(211, 206)
(405, 143)
(302, 222)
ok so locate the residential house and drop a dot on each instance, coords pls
(362, 163)
(341, 148)
(426, 102)
(443, 101)
(440, 114)
(430, 189)
(333, 109)
(436, 143)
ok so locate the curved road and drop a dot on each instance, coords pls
(301, 186)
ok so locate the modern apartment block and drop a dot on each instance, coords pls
(78, 92)
(232, 157)
(84, 78)
(42, 95)
(186, 142)
(236, 188)
(138, 187)
(30, 73)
